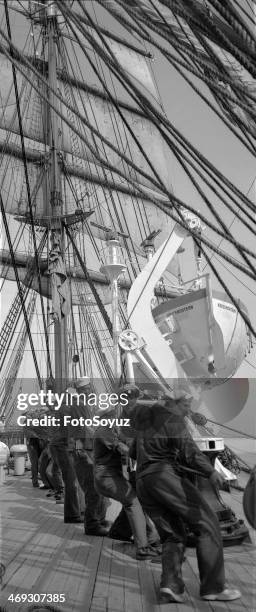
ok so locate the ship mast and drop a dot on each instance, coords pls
(56, 204)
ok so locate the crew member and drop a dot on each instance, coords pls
(95, 522)
(73, 450)
(50, 472)
(121, 528)
(163, 448)
(60, 451)
(110, 481)
(35, 446)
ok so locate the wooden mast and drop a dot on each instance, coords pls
(56, 203)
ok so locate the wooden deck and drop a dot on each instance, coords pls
(43, 555)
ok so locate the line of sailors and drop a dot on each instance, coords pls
(159, 501)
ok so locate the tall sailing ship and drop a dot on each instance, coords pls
(114, 273)
(117, 273)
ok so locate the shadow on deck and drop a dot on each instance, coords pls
(42, 555)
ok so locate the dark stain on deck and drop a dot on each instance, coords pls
(43, 555)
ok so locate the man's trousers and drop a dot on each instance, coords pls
(111, 483)
(34, 452)
(65, 461)
(174, 502)
(76, 466)
(95, 503)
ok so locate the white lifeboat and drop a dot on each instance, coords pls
(206, 334)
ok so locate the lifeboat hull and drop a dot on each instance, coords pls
(206, 334)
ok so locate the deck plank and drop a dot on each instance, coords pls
(132, 592)
(101, 591)
(43, 555)
(149, 595)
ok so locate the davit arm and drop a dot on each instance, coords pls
(139, 304)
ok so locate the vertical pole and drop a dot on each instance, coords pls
(113, 268)
(115, 314)
(116, 330)
(56, 205)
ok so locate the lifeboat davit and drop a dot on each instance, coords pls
(206, 334)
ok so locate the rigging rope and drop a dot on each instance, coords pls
(135, 203)
(169, 125)
(109, 144)
(232, 16)
(234, 275)
(212, 84)
(90, 283)
(16, 308)
(91, 39)
(194, 54)
(104, 172)
(207, 22)
(223, 39)
(243, 433)
(227, 235)
(251, 364)
(20, 289)
(108, 165)
(143, 152)
(151, 117)
(28, 187)
(128, 161)
(143, 217)
(243, 10)
(175, 62)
